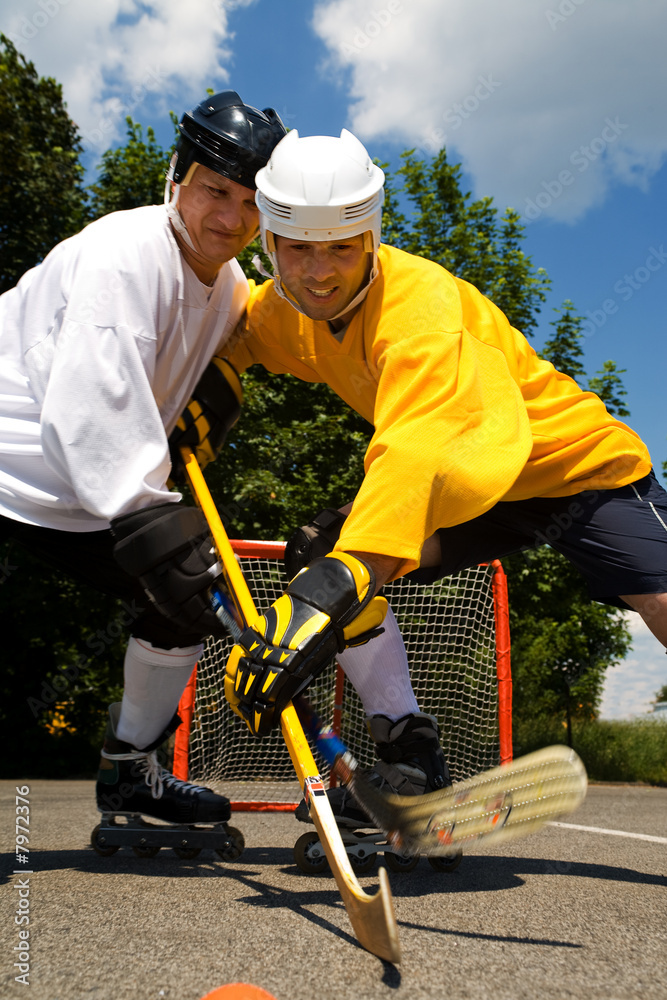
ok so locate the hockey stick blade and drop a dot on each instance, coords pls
(505, 803)
(372, 917)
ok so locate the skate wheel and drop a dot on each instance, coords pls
(187, 853)
(445, 862)
(143, 851)
(309, 855)
(400, 862)
(235, 847)
(362, 864)
(99, 846)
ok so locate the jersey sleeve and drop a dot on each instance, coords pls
(451, 436)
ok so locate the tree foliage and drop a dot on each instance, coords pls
(661, 695)
(563, 349)
(608, 385)
(297, 449)
(42, 200)
(465, 236)
(131, 175)
(62, 656)
(562, 642)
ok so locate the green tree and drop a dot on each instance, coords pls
(562, 642)
(42, 200)
(608, 385)
(565, 352)
(297, 449)
(564, 349)
(467, 237)
(661, 695)
(62, 657)
(131, 175)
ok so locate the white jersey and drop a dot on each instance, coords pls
(101, 346)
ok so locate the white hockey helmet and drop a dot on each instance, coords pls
(320, 188)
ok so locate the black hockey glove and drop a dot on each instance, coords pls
(312, 540)
(326, 608)
(213, 410)
(169, 550)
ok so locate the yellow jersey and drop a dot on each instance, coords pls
(465, 413)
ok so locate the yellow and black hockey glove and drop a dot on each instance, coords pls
(327, 607)
(213, 410)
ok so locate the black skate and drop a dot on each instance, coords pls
(411, 763)
(132, 783)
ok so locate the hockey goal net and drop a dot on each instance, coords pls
(456, 634)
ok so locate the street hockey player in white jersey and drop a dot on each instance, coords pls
(106, 352)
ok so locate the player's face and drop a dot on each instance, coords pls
(323, 277)
(221, 216)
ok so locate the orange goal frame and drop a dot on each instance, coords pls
(275, 550)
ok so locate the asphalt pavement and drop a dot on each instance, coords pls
(566, 913)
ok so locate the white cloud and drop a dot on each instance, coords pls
(112, 56)
(549, 102)
(631, 687)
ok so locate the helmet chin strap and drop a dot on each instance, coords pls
(171, 203)
(280, 290)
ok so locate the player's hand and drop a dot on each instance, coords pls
(213, 410)
(327, 607)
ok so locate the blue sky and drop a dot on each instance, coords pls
(555, 107)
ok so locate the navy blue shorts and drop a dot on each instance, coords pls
(617, 539)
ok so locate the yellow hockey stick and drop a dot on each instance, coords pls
(372, 917)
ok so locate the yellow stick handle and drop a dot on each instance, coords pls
(299, 750)
(225, 551)
(372, 917)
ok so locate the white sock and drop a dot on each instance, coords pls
(154, 682)
(380, 673)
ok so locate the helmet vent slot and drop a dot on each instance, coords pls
(361, 209)
(276, 208)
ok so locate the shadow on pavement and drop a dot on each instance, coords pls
(479, 873)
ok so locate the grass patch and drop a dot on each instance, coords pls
(611, 751)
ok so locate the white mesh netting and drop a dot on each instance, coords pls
(449, 633)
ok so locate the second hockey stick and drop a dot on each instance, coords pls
(504, 803)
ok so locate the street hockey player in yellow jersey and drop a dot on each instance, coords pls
(480, 448)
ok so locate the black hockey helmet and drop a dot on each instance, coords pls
(227, 136)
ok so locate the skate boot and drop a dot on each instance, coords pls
(411, 763)
(132, 782)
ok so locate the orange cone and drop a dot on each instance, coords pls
(239, 991)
